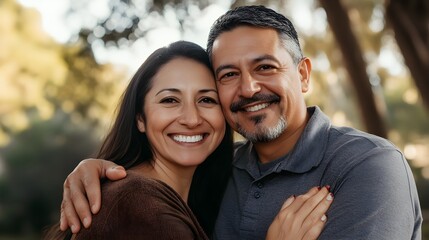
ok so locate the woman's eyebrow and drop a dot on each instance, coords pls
(208, 90)
(167, 90)
(178, 91)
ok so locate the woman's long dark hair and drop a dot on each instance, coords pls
(127, 146)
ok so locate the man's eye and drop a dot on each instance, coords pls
(227, 75)
(265, 67)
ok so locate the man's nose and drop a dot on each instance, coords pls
(190, 116)
(249, 85)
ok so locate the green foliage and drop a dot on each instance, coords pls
(36, 163)
(54, 99)
(400, 120)
(128, 19)
(38, 73)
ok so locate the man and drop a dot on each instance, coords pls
(261, 77)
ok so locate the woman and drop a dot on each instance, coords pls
(171, 135)
(168, 123)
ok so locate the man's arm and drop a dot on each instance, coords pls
(82, 190)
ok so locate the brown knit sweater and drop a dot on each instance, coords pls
(142, 208)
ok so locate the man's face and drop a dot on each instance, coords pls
(260, 88)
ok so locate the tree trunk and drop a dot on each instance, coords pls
(409, 20)
(355, 65)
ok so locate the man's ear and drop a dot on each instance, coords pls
(304, 69)
(140, 123)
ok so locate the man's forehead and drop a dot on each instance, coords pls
(251, 45)
(244, 36)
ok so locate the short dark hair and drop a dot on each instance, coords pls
(261, 17)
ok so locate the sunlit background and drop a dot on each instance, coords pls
(64, 64)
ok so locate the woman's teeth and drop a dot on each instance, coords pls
(188, 139)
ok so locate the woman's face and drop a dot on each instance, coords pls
(184, 121)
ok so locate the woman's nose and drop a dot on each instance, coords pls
(190, 116)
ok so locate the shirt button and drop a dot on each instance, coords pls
(257, 195)
(259, 185)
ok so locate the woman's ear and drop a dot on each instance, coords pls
(140, 123)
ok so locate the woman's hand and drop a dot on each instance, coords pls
(82, 190)
(302, 217)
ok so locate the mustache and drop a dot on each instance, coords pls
(260, 97)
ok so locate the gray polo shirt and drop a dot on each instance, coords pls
(375, 193)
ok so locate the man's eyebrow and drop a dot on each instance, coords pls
(222, 67)
(265, 57)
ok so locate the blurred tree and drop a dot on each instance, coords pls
(35, 165)
(355, 64)
(53, 99)
(129, 20)
(410, 22)
(38, 73)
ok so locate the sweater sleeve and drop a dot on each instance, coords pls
(141, 210)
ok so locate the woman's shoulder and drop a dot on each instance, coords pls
(137, 185)
(138, 207)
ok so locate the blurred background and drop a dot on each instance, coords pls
(64, 64)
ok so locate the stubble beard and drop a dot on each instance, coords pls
(263, 134)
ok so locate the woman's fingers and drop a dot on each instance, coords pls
(303, 216)
(299, 201)
(319, 212)
(288, 202)
(314, 232)
(312, 202)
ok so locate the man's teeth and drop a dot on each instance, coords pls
(188, 139)
(257, 107)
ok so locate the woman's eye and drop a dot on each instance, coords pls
(208, 100)
(168, 100)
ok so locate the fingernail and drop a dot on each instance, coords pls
(86, 222)
(330, 197)
(328, 187)
(323, 218)
(93, 208)
(73, 228)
